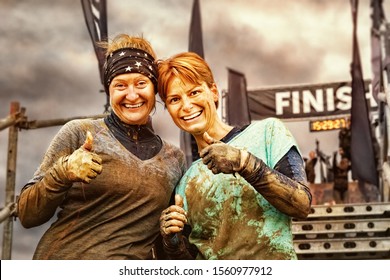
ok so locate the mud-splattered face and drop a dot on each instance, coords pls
(191, 106)
(132, 97)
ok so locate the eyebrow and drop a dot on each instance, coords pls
(139, 75)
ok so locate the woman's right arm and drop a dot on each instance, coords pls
(38, 202)
(62, 165)
(40, 197)
(177, 247)
(175, 232)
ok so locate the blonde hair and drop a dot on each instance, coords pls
(188, 67)
(126, 41)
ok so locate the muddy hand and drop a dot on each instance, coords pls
(179, 201)
(83, 165)
(173, 219)
(222, 158)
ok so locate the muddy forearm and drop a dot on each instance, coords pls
(287, 195)
(38, 202)
(177, 248)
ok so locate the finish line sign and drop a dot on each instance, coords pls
(305, 101)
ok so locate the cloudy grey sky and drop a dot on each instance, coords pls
(49, 66)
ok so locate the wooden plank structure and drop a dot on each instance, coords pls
(15, 115)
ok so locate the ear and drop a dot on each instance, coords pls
(215, 92)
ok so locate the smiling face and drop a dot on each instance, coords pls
(191, 106)
(132, 98)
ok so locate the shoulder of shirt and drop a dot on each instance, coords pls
(78, 122)
(172, 146)
(267, 122)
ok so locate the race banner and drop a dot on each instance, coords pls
(305, 101)
(237, 99)
(95, 14)
(363, 162)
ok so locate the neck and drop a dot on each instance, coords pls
(135, 132)
(218, 131)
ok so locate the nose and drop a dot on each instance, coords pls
(131, 93)
(187, 104)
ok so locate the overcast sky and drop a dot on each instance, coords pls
(48, 63)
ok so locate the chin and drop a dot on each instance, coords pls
(195, 131)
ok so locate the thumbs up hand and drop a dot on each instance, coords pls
(88, 141)
(83, 165)
(179, 201)
(223, 158)
(173, 219)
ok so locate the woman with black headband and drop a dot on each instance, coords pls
(109, 178)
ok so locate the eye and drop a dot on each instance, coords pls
(119, 85)
(172, 100)
(194, 92)
(142, 83)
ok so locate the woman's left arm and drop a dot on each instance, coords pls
(285, 186)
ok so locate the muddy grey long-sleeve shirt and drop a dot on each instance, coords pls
(116, 216)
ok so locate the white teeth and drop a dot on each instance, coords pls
(191, 116)
(133, 106)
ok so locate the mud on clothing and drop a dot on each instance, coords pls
(228, 217)
(116, 216)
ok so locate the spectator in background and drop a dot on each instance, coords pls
(345, 140)
(340, 170)
(310, 164)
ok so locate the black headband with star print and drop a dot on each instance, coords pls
(129, 60)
